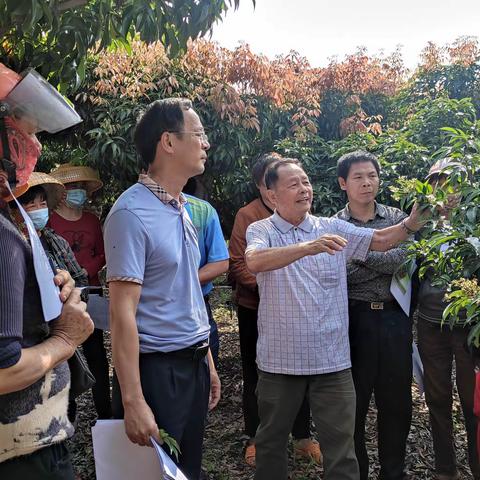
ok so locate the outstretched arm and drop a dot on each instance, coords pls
(267, 259)
(390, 237)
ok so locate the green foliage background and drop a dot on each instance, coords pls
(433, 115)
(409, 143)
(55, 36)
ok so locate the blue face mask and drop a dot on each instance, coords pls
(39, 218)
(76, 197)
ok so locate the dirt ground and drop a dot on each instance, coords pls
(224, 440)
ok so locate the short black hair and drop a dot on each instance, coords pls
(271, 175)
(161, 116)
(261, 164)
(30, 195)
(346, 161)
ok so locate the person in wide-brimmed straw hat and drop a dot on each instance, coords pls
(83, 232)
(40, 196)
(70, 174)
(54, 190)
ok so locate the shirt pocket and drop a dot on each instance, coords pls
(328, 271)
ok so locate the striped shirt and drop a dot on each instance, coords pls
(303, 311)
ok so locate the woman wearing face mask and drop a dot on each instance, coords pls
(39, 197)
(83, 232)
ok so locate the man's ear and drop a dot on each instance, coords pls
(166, 142)
(272, 197)
(342, 183)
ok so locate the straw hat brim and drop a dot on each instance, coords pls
(67, 173)
(54, 189)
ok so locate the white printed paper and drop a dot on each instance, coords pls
(117, 458)
(401, 289)
(170, 470)
(401, 286)
(49, 292)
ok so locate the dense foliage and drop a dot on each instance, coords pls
(450, 243)
(250, 105)
(54, 36)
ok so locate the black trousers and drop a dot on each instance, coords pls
(49, 463)
(176, 388)
(96, 357)
(381, 353)
(247, 326)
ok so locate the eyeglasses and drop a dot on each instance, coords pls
(202, 136)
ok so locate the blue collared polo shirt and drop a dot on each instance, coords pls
(155, 245)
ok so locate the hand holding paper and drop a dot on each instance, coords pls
(116, 458)
(169, 469)
(140, 423)
(74, 325)
(64, 281)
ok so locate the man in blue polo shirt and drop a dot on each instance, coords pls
(213, 253)
(165, 375)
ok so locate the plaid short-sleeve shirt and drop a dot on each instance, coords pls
(303, 311)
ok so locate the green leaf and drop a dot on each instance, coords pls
(171, 443)
(474, 336)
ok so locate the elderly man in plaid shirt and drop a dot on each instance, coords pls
(300, 263)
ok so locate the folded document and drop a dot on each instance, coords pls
(117, 458)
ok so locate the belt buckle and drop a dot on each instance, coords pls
(376, 305)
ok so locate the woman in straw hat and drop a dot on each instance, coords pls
(83, 232)
(40, 196)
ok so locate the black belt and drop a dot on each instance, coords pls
(361, 305)
(194, 352)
